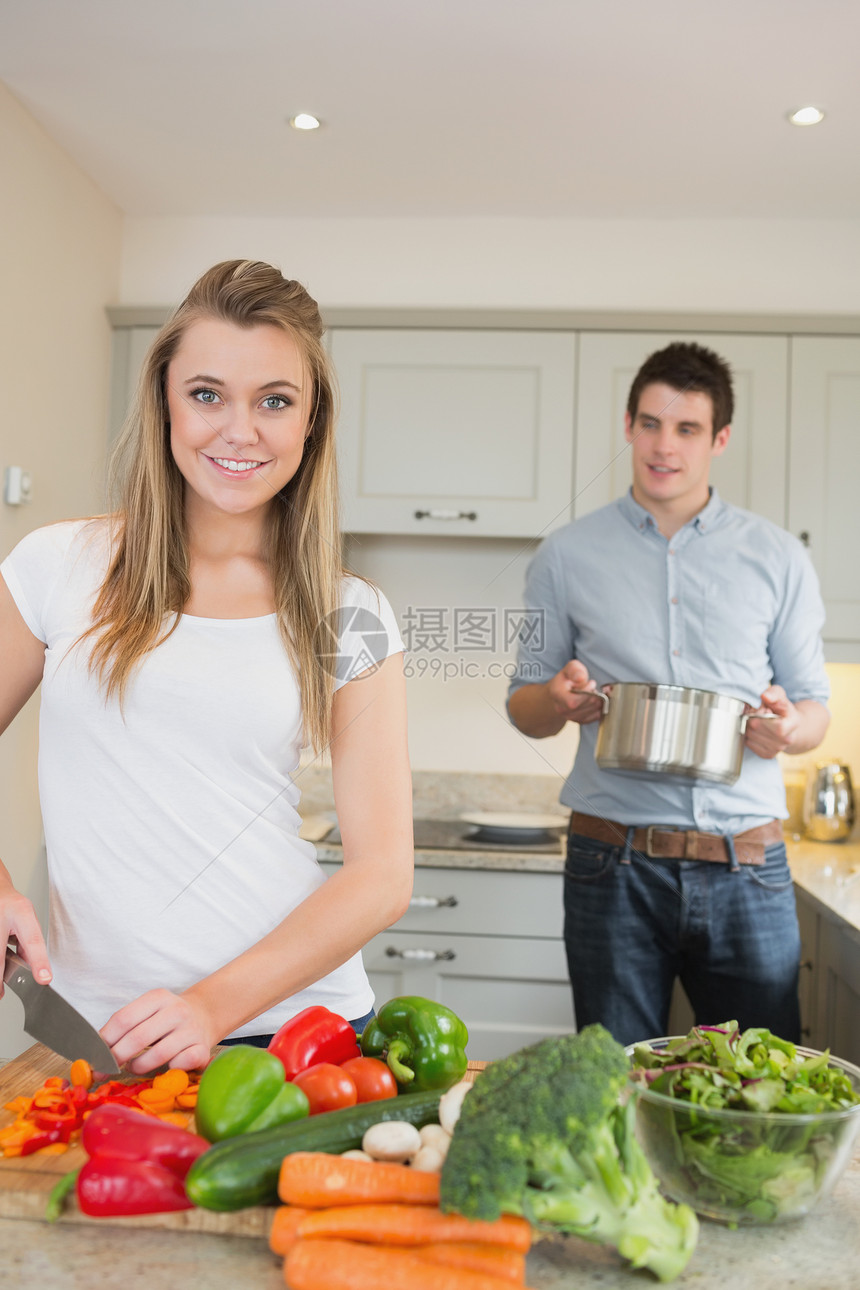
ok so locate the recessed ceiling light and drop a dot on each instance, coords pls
(304, 121)
(806, 116)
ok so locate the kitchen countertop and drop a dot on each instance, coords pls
(817, 1253)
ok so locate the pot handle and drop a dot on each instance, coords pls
(760, 716)
(596, 694)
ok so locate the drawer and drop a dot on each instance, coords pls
(483, 902)
(510, 992)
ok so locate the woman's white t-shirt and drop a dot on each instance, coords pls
(171, 826)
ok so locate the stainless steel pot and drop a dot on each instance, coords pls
(672, 730)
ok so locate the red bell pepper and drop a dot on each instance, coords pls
(108, 1185)
(313, 1036)
(136, 1163)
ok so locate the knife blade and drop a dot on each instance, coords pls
(51, 1020)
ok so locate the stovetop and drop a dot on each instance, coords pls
(458, 835)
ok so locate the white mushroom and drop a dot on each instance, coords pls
(392, 1140)
(428, 1160)
(434, 1136)
(355, 1154)
(450, 1104)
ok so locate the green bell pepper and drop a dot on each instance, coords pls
(423, 1042)
(244, 1089)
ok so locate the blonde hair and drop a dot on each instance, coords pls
(147, 583)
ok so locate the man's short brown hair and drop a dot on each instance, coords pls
(686, 366)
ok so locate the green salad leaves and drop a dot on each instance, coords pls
(748, 1167)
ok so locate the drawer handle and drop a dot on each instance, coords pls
(420, 956)
(433, 902)
(436, 513)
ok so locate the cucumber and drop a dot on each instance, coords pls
(243, 1171)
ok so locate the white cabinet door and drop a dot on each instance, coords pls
(825, 469)
(455, 432)
(751, 473)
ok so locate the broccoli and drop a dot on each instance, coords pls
(543, 1133)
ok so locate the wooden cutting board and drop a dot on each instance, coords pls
(26, 1181)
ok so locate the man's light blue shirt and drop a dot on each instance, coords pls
(730, 603)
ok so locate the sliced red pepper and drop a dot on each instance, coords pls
(313, 1036)
(109, 1185)
(43, 1139)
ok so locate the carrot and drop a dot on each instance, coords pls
(344, 1265)
(152, 1099)
(81, 1074)
(315, 1180)
(285, 1225)
(172, 1082)
(187, 1099)
(413, 1225)
(493, 1259)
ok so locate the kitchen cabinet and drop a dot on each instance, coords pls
(486, 943)
(455, 432)
(751, 473)
(825, 466)
(809, 923)
(829, 979)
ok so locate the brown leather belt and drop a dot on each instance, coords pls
(680, 844)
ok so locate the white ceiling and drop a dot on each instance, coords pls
(640, 108)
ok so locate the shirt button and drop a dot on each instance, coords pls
(676, 651)
(671, 550)
(674, 600)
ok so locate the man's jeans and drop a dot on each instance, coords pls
(631, 928)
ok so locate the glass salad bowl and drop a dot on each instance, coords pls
(744, 1167)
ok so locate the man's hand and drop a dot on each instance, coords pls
(562, 690)
(160, 1028)
(767, 738)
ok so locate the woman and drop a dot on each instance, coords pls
(188, 646)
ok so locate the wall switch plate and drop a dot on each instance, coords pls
(18, 486)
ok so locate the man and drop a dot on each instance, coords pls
(670, 584)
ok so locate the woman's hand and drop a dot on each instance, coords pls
(160, 1028)
(18, 919)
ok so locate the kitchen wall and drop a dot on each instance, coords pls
(804, 266)
(59, 266)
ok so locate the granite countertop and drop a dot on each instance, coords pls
(817, 1253)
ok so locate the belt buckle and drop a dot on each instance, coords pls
(649, 839)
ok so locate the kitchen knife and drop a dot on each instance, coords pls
(50, 1020)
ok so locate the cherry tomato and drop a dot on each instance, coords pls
(373, 1079)
(327, 1087)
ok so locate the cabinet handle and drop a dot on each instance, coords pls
(807, 964)
(433, 902)
(421, 956)
(804, 537)
(438, 514)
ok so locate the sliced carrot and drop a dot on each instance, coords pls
(81, 1074)
(188, 1098)
(172, 1081)
(54, 1149)
(179, 1118)
(19, 1105)
(413, 1225)
(494, 1259)
(13, 1151)
(154, 1100)
(317, 1180)
(346, 1265)
(282, 1234)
